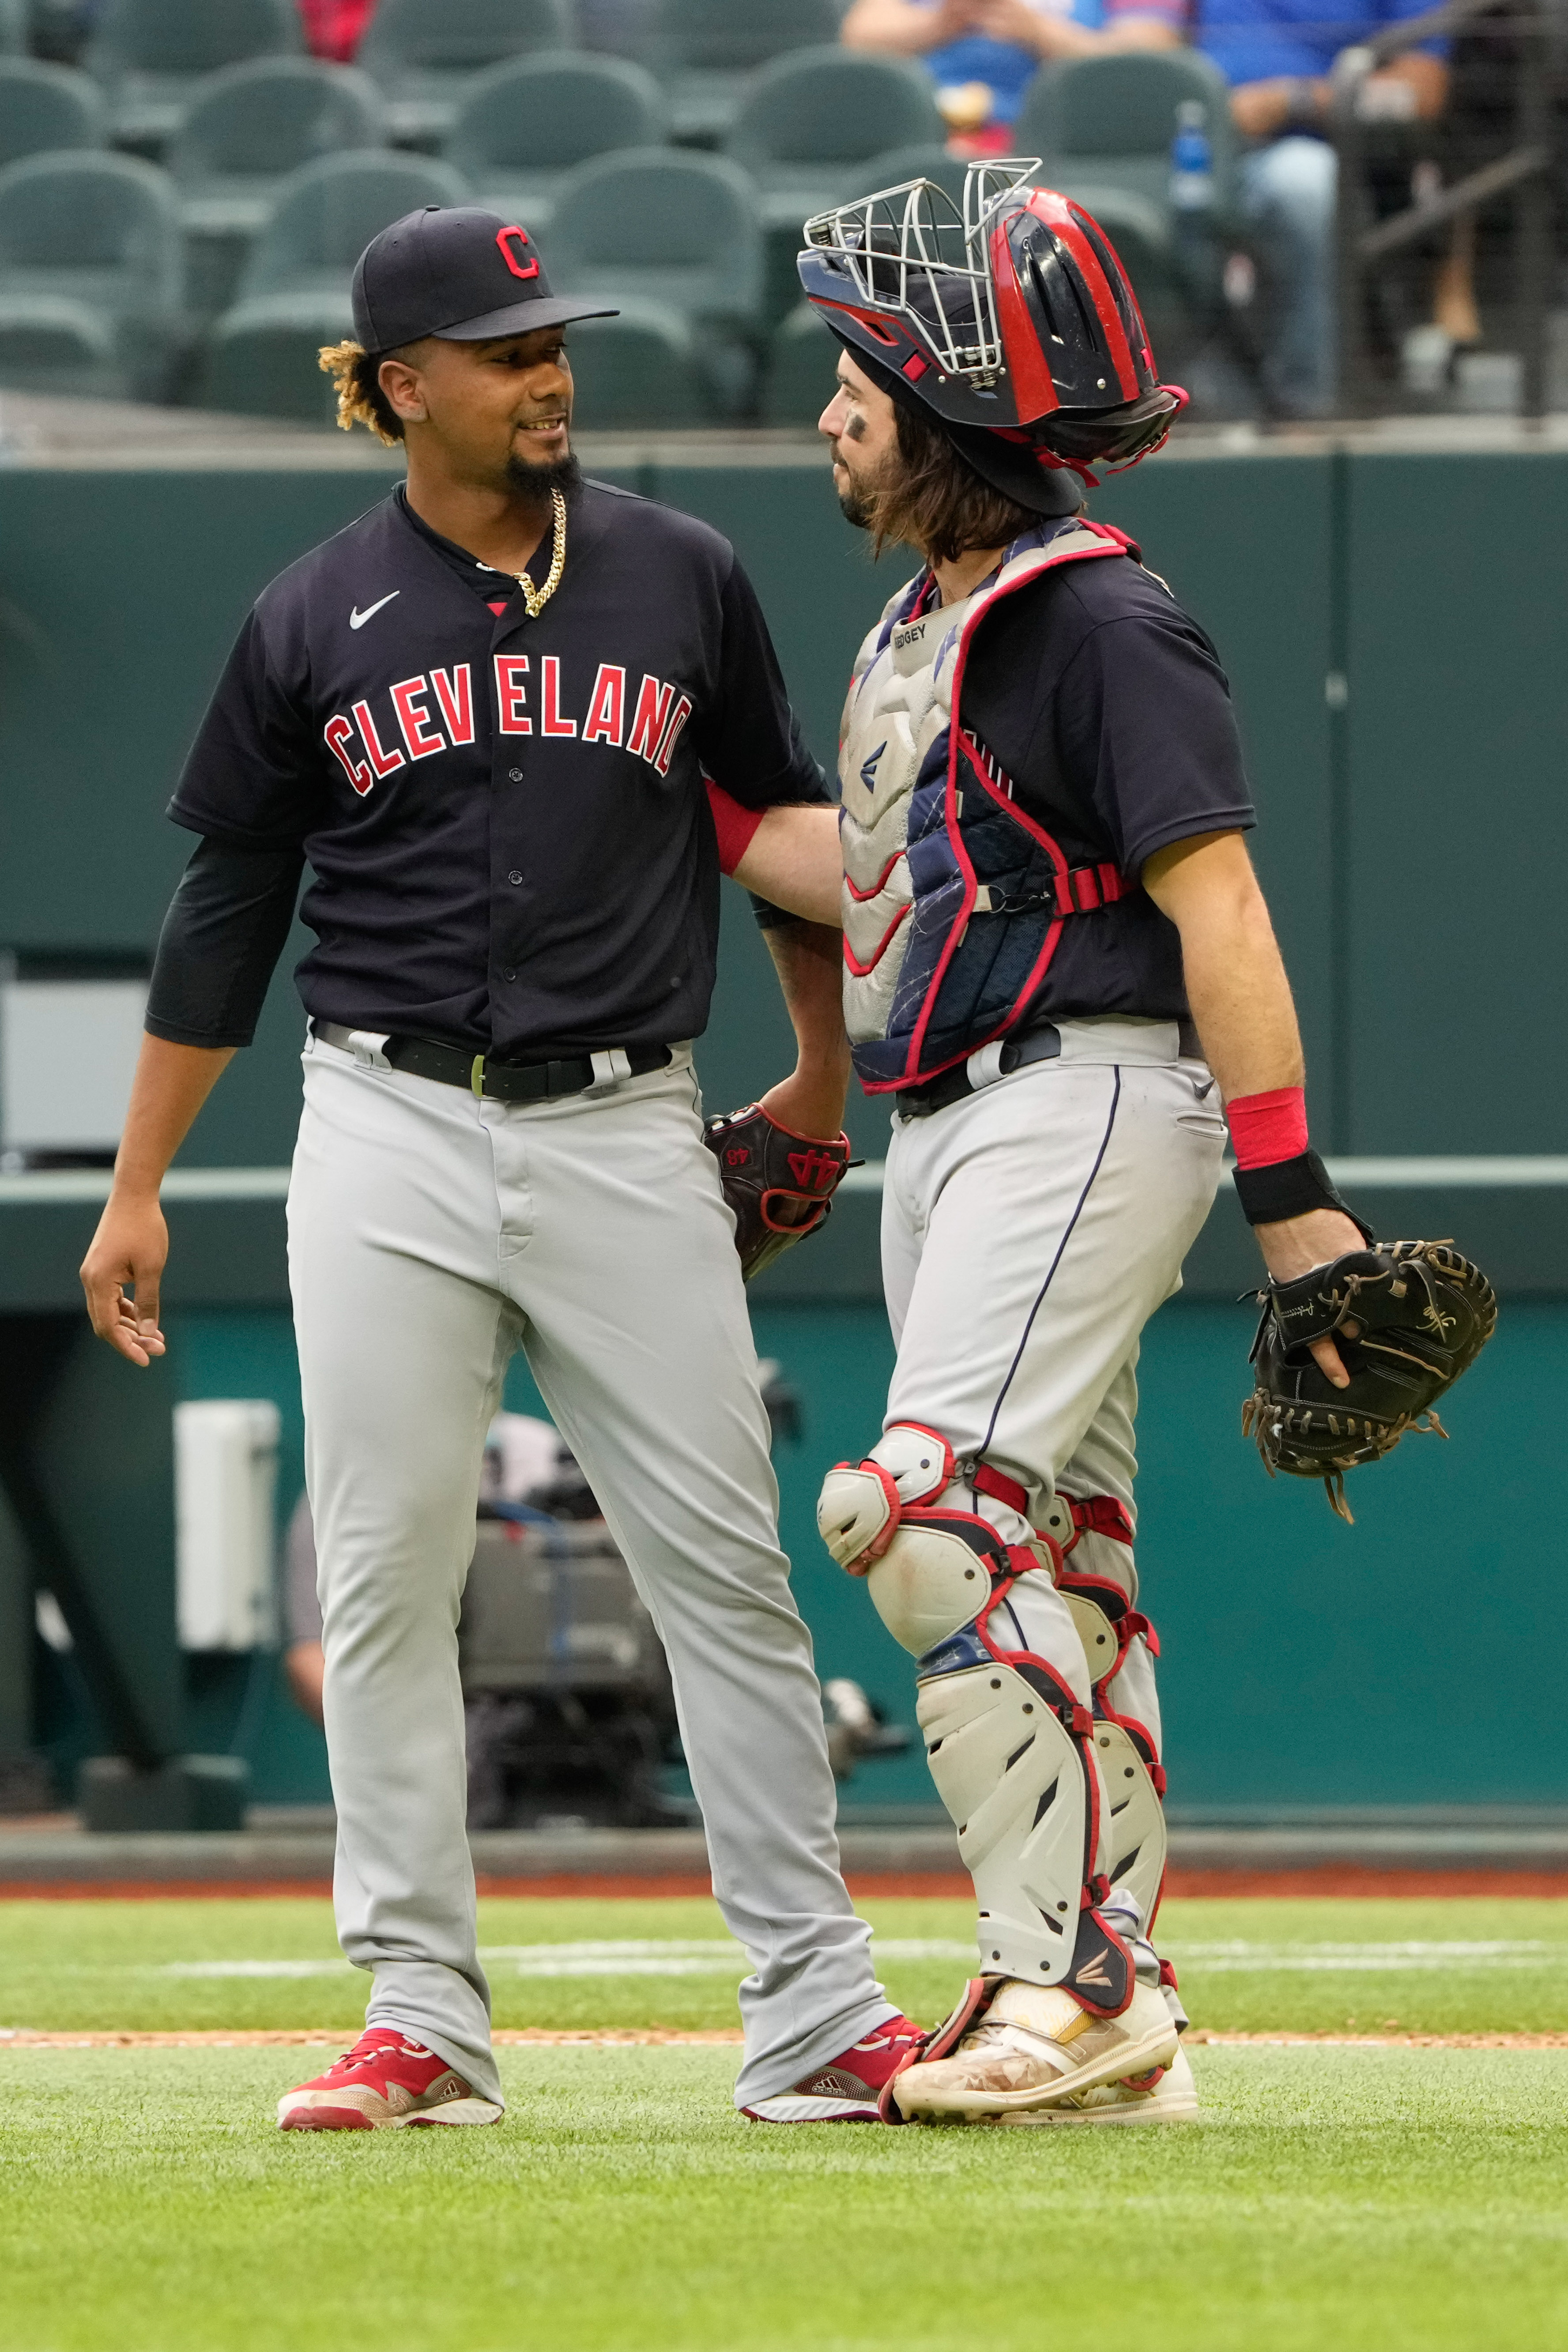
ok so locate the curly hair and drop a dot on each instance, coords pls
(938, 503)
(361, 400)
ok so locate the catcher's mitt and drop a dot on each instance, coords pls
(1420, 1315)
(770, 1177)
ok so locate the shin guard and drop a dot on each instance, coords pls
(1129, 1761)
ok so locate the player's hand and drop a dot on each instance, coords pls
(120, 1274)
(811, 1103)
(1293, 1247)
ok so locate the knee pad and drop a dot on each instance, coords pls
(861, 1503)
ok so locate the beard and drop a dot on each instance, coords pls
(854, 507)
(536, 482)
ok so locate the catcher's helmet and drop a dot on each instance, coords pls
(1014, 314)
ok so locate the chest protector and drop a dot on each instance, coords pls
(954, 897)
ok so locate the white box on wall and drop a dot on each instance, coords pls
(226, 1479)
(67, 1054)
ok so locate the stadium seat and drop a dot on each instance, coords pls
(44, 109)
(801, 359)
(260, 357)
(151, 56)
(704, 51)
(524, 125)
(645, 369)
(1112, 120)
(426, 54)
(807, 124)
(678, 233)
(255, 123)
(901, 164)
(90, 277)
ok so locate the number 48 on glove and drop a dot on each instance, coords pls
(780, 1185)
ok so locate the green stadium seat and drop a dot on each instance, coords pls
(260, 357)
(1112, 118)
(647, 368)
(705, 50)
(152, 55)
(426, 54)
(91, 276)
(801, 359)
(673, 232)
(805, 125)
(901, 164)
(525, 124)
(255, 123)
(44, 108)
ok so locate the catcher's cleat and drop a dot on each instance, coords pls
(1012, 2048)
(384, 2079)
(853, 2088)
(1166, 2095)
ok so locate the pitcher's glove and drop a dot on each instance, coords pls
(1420, 1315)
(770, 1176)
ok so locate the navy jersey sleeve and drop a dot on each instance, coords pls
(221, 938)
(253, 775)
(749, 741)
(1144, 726)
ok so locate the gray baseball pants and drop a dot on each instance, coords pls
(1028, 1233)
(431, 1235)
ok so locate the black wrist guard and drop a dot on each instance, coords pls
(1290, 1188)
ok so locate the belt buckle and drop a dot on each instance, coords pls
(477, 1077)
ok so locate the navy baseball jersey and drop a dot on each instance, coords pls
(506, 818)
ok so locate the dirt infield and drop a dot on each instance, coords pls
(1321, 1882)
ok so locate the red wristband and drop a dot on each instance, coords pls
(734, 825)
(1265, 1129)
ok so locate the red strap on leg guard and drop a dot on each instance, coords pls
(1001, 1488)
(1100, 1515)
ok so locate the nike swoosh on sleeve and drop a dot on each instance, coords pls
(358, 619)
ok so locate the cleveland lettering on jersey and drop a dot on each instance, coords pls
(659, 714)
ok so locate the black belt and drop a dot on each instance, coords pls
(451, 1065)
(1041, 1042)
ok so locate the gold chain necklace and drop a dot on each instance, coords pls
(535, 598)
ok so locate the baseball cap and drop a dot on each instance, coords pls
(454, 270)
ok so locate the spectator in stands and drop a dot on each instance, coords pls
(334, 28)
(1278, 56)
(982, 54)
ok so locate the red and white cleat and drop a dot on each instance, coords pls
(384, 2079)
(853, 2088)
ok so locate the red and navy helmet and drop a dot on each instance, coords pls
(1014, 314)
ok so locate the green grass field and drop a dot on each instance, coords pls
(1390, 2198)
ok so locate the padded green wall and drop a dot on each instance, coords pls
(1428, 584)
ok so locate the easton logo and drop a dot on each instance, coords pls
(1090, 1971)
(434, 712)
(868, 771)
(813, 1171)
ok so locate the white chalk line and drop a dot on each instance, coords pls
(650, 1956)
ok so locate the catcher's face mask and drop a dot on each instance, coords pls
(1012, 314)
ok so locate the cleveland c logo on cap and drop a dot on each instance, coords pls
(514, 262)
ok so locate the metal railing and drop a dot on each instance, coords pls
(1364, 245)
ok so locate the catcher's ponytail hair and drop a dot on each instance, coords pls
(361, 400)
